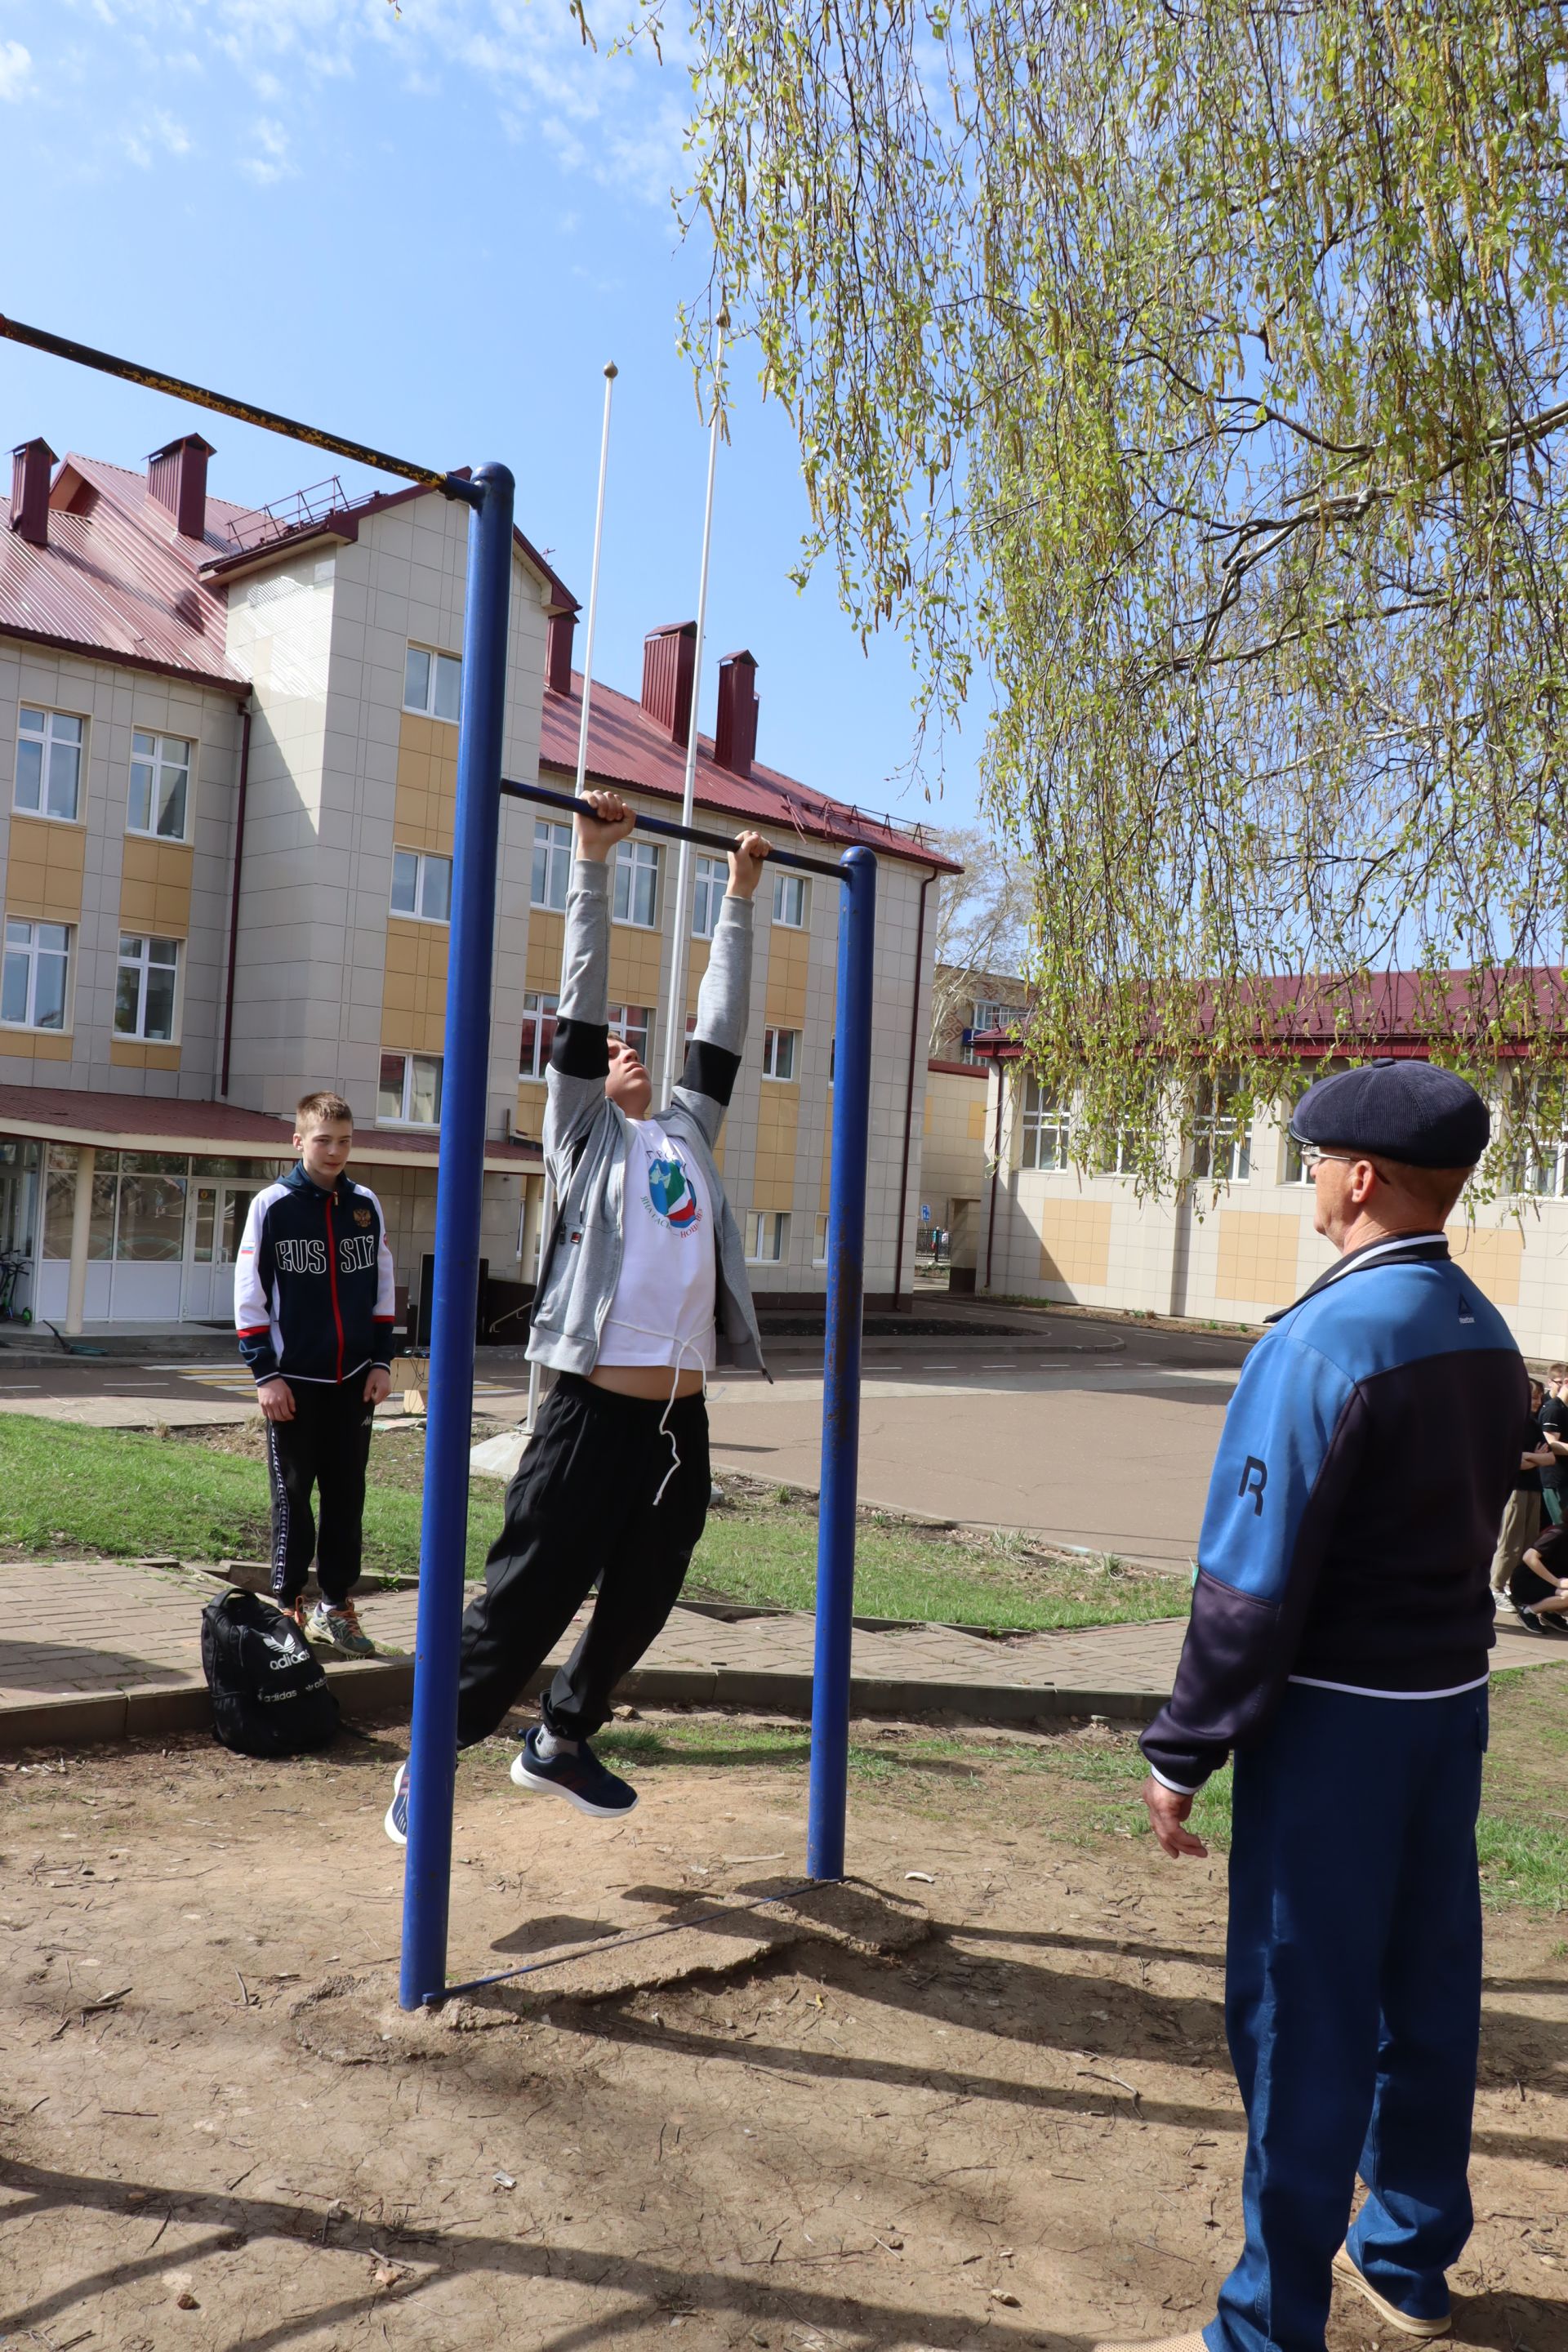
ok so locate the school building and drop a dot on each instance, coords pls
(1237, 1242)
(227, 785)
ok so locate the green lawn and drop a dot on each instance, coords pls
(67, 1490)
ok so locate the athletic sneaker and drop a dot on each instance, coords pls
(340, 1630)
(397, 1822)
(1345, 2267)
(580, 1777)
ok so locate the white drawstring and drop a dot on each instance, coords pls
(682, 1349)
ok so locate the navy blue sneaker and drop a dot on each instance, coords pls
(581, 1779)
(397, 1822)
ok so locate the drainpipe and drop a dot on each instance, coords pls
(910, 1095)
(1000, 1067)
(234, 896)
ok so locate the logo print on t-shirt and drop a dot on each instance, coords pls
(669, 1191)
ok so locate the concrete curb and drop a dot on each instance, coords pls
(382, 1690)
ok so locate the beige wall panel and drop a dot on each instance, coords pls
(129, 1053)
(634, 957)
(1075, 1242)
(789, 962)
(1257, 1257)
(425, 808)
(37, 1044)
(543, 970)
(778, 1122)
(530, 1110)
(1491, 1256)
(44, 870)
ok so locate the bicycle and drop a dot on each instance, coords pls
(11, 1264)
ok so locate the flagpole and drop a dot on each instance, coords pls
(675, 1024)
(547, 1205)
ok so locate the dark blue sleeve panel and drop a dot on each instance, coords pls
(1293, 1439)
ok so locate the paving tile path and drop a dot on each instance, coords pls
(101, 1649)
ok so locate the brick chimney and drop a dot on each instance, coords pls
(558, 651)
(31, 466)
(735, 732)
(177, 478)
(669, 658)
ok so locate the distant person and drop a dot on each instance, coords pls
(1522, 1512)
(315, 1303)
(642, 1291)
(1539, 1591)
(1338, 1647)
(1553, 1422)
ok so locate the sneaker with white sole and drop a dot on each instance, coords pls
(1346, 2268)
(578, 1776)
(397, 1822)
(339, 1628)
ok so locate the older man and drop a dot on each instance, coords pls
(1337, 1644)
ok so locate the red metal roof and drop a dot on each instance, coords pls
(627, 749)
(116, 581)
(221, 1130)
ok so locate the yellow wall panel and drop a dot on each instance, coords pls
(37, 1045)
(789, 962)
(1258, 1257)
(129, 1054)
(634, 965)
(1075, 1242)
(543, 970)
(44, 870)
(426, 800)
(1491, 1256)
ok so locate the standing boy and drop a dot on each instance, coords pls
(641, 1290)
(314, 1304)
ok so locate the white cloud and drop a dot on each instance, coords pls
(271, 161)
(157, 134)
(15, 71)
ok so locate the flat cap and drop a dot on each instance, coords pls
(1402, 1110)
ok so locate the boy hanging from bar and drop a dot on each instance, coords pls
(642, 1291)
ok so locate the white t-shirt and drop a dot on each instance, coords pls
(663, 1310)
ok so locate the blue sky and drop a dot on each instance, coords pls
(427, 232)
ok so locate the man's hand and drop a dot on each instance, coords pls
(1167, 1811)
(276, 1399)
(746, 861)
(378, 1384)
(602, 819)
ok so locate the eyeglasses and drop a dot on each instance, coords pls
(1312, 1152)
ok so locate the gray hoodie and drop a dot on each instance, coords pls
(586, 1134)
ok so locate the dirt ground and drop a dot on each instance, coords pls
(1015, 2125)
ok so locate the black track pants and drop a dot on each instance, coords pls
(326, 1447)
(582, 1508)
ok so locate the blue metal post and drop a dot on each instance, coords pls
(443, 1542)
(841, 1381)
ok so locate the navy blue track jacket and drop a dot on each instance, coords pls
(1366, 1459)
(314, 1297)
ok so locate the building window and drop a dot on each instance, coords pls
(433, 683)
(538, 1032)
(409, 1094)
(819, 1247)
(145, 988)
(767, 1236)
(637, 883)
(160, 785)
(633, 1024)
(790, 901)
(1046, 1129)
(421, 886)
(710, 881)
(552, 863)
(37, 974)
(49, 764)
(990, 1013)
(779, 1048)
(1222, 1149)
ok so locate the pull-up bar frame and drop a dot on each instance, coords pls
(667, 830)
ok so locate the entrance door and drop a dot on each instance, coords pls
(213, 1228)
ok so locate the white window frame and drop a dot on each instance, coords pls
(403, 1117)
(1221, 1139)
(154, 762)
(439, 666)
(636, 863)
(34, 950)
(1045, 1130)
(781, 1055)
(792, 888)
(990, 1012)
(820, 1245)
(144, 963)
(48, 743)
(553, 853)
(539, 1005)
(765, 1226)
(709, 882)
(639, 1034)
(425, 864)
